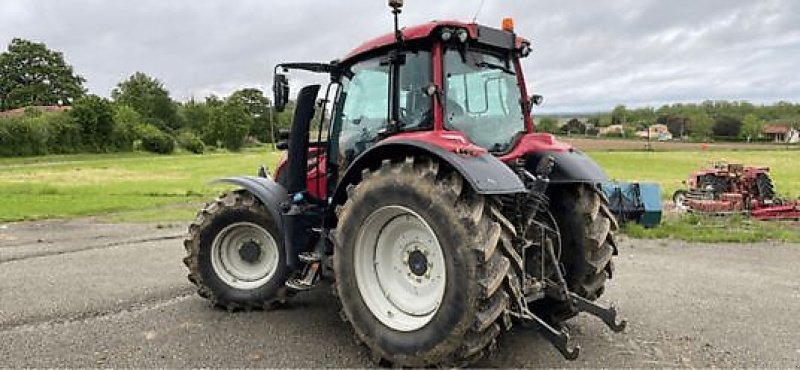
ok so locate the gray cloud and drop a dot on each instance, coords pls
(589, 55)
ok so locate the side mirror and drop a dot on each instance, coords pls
(280, 91)
(536, 99)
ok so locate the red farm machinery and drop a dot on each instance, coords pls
(734, 188)
(423, 195)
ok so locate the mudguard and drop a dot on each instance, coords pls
(269, 192)
(485, 173)
(571, 166)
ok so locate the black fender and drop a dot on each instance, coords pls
(485, 173)
(269, 192)
(571, 167)
(294, 229)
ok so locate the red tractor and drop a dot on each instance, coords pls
(426, 199)
(734, 188)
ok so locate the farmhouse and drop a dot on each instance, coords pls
(782, 133)
(657, 131)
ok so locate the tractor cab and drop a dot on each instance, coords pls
(443, 82)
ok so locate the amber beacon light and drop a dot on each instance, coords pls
(508, 24)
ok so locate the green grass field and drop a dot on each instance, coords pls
(138, 187)
(136, 184)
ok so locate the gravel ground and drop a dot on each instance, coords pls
(83, 294)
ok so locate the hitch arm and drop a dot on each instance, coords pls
(607, 314)
(558, 338)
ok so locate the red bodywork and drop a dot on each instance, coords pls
(455, 141)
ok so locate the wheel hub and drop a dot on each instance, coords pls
(418, 262)
(250, 251)
(244, 255)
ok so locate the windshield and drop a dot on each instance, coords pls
(482, 98)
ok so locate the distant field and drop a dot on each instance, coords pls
(588, 144)
(66, 186)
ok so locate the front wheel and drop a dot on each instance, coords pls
(419, 271)
(235, 254)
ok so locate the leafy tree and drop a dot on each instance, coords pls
(32, 74)
(752, 126)
(727, 126)
(619, 115)
(196, 116)
(700, 124)
(95, 116)
(125, 121)
(149, 98)
(229, 126)
(258, 107)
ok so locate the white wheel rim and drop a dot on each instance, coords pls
(244, 255)
(679, 200)
(393, 245)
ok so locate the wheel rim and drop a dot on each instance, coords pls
(679, 199)
(400, 268)
(244, 255)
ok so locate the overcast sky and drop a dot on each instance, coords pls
(588, 55)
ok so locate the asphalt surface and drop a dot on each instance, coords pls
(81, 294)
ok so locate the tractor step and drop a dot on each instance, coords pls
(298, 285)
(309, 257)
(309, 277)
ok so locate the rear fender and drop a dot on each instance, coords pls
(485, 173)
(571, 167)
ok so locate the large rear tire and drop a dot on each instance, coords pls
(235, 254)
(587, 226)
(419, 266)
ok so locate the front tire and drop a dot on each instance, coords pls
(235, 254)
(447, 313)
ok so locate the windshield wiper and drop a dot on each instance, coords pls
(495, 66)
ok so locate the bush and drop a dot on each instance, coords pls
(23, 136)
(154, 140)
(64, 134)
(190, 142)
(125, 121)
(95, 116)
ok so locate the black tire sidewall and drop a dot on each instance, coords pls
(455, 313)
(224, 293)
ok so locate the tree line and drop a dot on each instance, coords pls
(702, 121)
(140, 115)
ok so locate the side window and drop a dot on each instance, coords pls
(364, 113)
(416, 108)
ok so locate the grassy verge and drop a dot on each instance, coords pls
(82, 185)
(715, 229)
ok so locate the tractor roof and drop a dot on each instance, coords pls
(412, 33)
